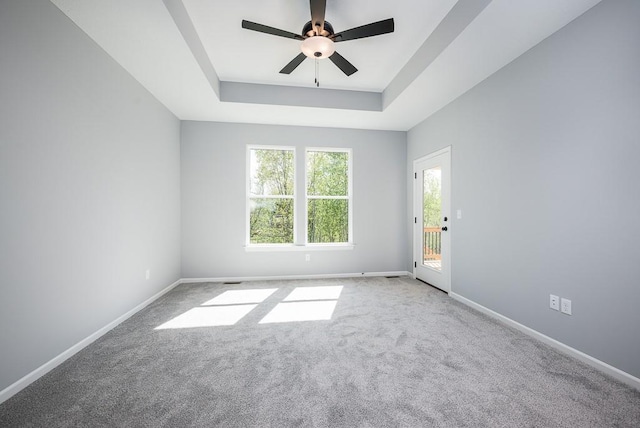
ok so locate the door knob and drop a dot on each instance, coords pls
(444, 229)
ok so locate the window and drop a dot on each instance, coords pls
(328, 196)
(272, 208)
(271, 195)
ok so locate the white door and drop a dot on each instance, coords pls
(432, 219)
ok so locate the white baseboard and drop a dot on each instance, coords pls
(25, 381)
(566, 349)
(286, 277)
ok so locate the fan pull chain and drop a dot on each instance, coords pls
(317, 80)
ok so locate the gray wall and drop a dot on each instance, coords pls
(89, 188)
(545, 169)
(214, 191)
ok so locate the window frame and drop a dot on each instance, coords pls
(348, 198)
(248, 196)
(300, 211)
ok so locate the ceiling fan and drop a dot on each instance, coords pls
(318, 38)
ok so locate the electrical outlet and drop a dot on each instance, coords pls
(307, 257)
(554, 302)
(565, 306)
(147, 274)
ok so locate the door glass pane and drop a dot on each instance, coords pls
(432, 217)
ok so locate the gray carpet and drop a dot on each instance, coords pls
(396, 352)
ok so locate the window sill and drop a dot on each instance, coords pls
(293, 248)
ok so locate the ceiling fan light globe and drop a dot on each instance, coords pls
(317, 47)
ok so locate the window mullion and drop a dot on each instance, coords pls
(326, 197)
(300, 233)
(271, 196)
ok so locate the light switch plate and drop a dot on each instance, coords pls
(565, 306)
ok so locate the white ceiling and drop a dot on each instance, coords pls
(158, 46)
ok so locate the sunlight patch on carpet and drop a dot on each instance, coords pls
(327, 292)
(208, 317)
(239, 297)
(300, 311)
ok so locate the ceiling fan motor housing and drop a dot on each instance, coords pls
(308, 30)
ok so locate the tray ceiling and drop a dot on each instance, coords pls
(195, 58)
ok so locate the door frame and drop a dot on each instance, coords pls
(417, 208)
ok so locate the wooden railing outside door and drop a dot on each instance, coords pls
(432, 243)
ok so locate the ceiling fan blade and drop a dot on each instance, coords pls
(373, 29)
(270, 30)
(344, 65)
(318, 7)
(293, 64)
